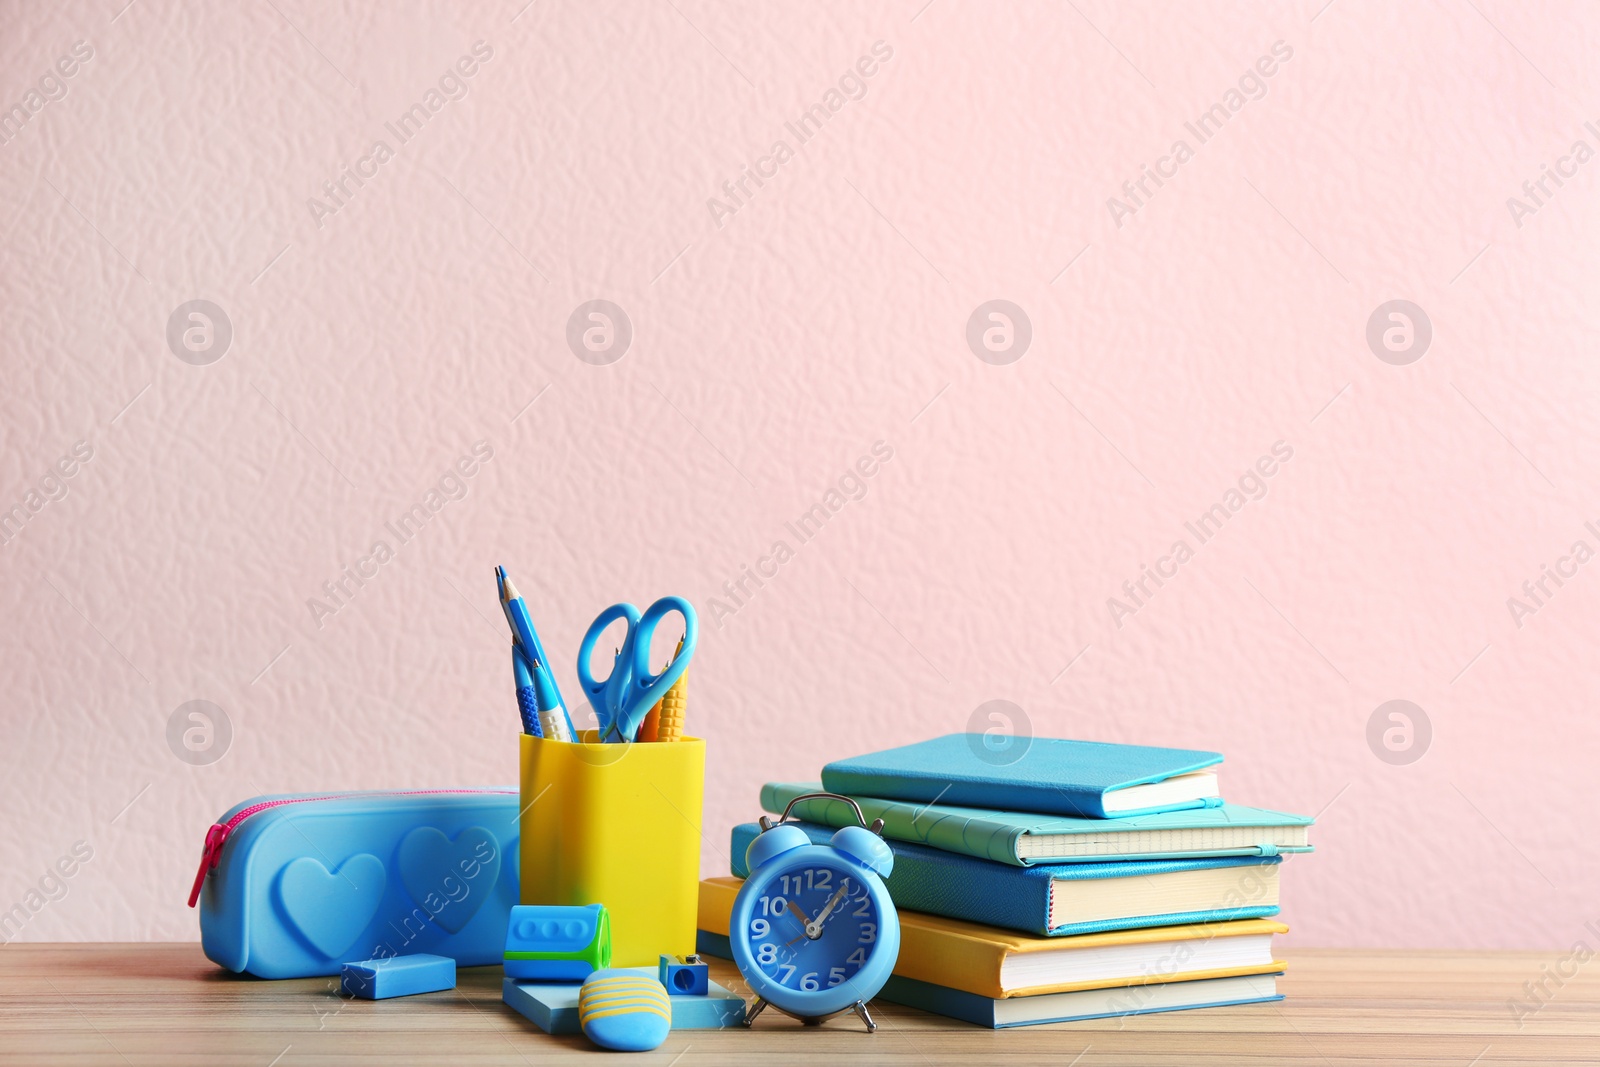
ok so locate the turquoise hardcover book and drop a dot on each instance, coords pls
(1081, 1004)
(1088, 779)
(1076, 898)
(1023, 839)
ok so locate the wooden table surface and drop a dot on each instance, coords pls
(166, 1004)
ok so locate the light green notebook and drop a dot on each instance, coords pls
(1023, 839)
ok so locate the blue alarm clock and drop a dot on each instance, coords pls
(813, 930)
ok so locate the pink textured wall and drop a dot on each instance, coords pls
(1361, 153)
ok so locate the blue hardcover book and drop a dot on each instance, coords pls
(1081, 1004)
(1024, 838)
(1088, 779)
(1080, 898)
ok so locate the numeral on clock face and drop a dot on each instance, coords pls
(814, 929)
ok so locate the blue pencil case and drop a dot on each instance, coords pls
(297, 885)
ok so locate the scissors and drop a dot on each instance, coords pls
(622, 699)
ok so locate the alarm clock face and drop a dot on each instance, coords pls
(813, 935)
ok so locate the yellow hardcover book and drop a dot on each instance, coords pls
(995, 963)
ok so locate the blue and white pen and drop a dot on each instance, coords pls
(552, 714)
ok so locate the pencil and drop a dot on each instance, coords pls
(673, 707)
(648, 728)
(516, 611)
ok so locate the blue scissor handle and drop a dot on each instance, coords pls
(644, 689)
(606, 694)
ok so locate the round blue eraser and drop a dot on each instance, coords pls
(625, 1011)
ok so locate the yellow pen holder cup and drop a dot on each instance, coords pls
(617, 825)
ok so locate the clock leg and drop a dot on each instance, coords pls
(860, 1008)
(755, 1009)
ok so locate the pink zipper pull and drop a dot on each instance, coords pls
(209, 856)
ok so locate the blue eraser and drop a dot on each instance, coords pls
(624, 1011)
(398, 976)
(684, 976)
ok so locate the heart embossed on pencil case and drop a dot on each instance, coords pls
(331, 909)
(449, 879)
(296, 884)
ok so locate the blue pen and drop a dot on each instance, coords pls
(527, 700)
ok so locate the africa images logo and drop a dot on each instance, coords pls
(199, 332)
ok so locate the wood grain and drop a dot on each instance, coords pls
(166, 1004)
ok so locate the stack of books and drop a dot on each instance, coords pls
(1079, 880)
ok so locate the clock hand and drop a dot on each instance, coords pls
(805, 923)
(814, 928)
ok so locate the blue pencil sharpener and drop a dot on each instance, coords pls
(684, 976)
(556, 943)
